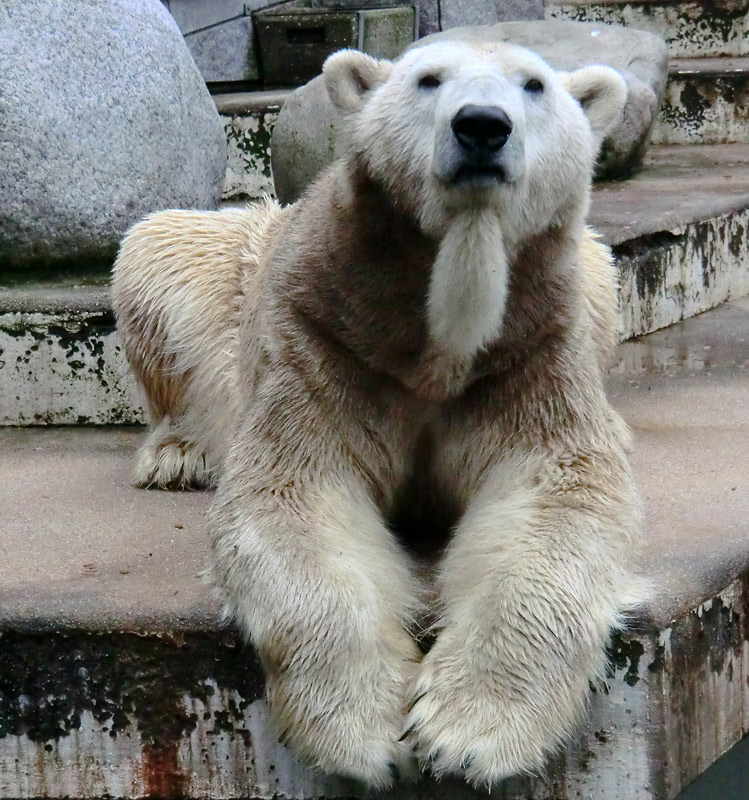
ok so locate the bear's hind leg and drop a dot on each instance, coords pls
(176, 295)
(166, 460)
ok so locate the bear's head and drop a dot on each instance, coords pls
(451, 124)
(486, 148)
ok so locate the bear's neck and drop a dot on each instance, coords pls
(411, 306)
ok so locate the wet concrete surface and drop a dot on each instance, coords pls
(81, 549)
(685, 392)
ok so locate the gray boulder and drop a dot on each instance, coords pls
(305, 139)
(103, 118)
(306, 136)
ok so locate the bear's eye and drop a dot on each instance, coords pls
(534, 86)
(429, 82)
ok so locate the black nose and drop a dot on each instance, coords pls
(481, 128)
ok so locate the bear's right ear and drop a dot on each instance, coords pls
(349, 75)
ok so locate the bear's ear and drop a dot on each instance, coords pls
(349, 75)
(601, 91)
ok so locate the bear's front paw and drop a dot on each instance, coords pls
(346, 718)
(479, 721)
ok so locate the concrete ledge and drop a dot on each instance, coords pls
(248, 119)
(55, 299)
(65, 366)
(117, 677)
(678, 186)
(242, 103)
(678, 231)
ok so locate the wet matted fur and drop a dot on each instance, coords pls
(402, 369)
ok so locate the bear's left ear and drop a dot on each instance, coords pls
(601, 91)
(349, 75)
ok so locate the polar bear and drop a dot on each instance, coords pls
(396, 384)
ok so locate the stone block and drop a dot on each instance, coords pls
(386, 32)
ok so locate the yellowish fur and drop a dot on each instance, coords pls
(178, 312)
(397, 384)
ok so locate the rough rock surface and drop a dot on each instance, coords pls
(305, 136)
(454, 13)
(103, 118)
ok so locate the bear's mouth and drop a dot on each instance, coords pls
(481, 174)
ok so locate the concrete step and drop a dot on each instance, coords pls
(706, 102)
(118, 678)
(678, 231)
(691, 28)
(60, 359)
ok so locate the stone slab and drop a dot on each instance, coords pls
(678, 230)
(677, 186)
(99, 554)
(117, 677)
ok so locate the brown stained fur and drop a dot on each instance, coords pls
(289, 349)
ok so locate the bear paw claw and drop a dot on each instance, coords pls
(171, 465)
